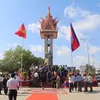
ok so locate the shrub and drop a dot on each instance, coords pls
(24, 75)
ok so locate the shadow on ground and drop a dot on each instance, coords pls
(22, 95)
(94, 92)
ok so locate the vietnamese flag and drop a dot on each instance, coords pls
(21, 31)
(74, 40)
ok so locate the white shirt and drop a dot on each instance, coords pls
(70, 80)
(12, 84)
(36, 74)
(90, 79)
(85, 78)
(73, 79)
(76, 79)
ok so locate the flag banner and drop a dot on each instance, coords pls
(21, 31)
(74, 40)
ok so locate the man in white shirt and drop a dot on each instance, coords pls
(36, 78)
(90, 80)
(36, 75)
(85, 79)
(73, 80)
(70, 83)
(12, 85)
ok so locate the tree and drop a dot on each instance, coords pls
(76, 70)
(90, 69)
(12, 59)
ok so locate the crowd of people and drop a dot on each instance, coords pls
(46, 75)
(77, 81)
(3, 83)
(37, 78)
(57, 78)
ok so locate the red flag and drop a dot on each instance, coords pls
(74, 40)
(21, 31)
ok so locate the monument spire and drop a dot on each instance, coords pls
(49, 9)
(49, 15)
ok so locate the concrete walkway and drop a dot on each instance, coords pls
(81, 95)
(63, 94)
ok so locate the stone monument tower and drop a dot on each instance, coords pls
(48, 32)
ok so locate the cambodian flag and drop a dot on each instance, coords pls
(74, 40)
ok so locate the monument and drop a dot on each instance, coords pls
(48, 32)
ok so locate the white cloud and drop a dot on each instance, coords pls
(94, 49)
(83, 60)
(65, 32)
(72, 12)
(34, 27)
(62, 51)
(59, 35)
(1, 55)
(12, 45)
(80, 60)
(36, 48)
(87, 22)
(96, 64)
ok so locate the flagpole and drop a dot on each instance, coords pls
(22, 55)
(21, 33)
(74, 42)
(71, 58)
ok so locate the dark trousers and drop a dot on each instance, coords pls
(70, 87)
(12, 94)
(79, 84)
(36, 82)
(43, 84)
(5, 90)
(54, 84)
(85, 86)
(90, 85)
(75, 86)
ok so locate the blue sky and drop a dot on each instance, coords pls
(84, 17)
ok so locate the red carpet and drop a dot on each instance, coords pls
(42, 96)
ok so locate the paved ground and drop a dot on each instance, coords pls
(81, 95)
(63, 94)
